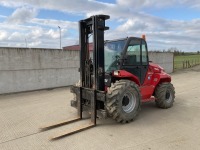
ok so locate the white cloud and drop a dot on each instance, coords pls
(138, 4)
(129, 16)
(15, 36)
(53, 34)
(87, 6)
(22, 15)
(161, 33)
(9, 3)
(34, 44)
(3, 35)
(133, 24)
(55, 23)
(75, 6)
(36, 33)
(193, 3)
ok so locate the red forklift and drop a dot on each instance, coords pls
(117, 79)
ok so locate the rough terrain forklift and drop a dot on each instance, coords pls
(117, 79)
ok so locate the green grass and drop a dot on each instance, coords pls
(193, 59)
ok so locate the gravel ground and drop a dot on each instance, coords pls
(22, 114)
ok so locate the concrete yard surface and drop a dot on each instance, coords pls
(21, 116)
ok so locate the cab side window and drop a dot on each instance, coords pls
(133, 52)
(144, 53)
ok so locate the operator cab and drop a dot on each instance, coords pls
(128, 54)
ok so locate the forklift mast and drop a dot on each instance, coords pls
(92, 72)
(92, 88)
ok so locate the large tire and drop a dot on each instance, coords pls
(165, 95)
(123, 101)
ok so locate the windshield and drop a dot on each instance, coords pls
(113, 51)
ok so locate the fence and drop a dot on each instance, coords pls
(186, 62)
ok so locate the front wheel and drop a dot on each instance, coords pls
(123, 101)
(165, 95)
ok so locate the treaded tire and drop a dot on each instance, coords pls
(165, 95)
(115, 101)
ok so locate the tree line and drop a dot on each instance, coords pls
(176, 51)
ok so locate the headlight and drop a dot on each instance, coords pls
(116, 73)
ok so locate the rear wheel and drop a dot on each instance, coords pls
(165, 95)
(123, 101)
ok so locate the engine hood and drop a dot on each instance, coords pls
(156, 67)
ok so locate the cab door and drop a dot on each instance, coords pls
(136, 58)
(144, 61)
(146, 87)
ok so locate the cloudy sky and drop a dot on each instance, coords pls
(171, 23)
